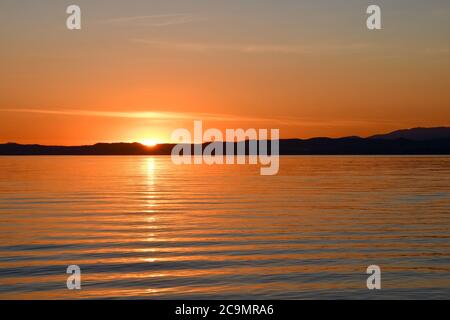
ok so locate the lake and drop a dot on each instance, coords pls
(142, 227)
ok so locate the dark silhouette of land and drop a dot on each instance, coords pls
(417, 141)
(417, 134)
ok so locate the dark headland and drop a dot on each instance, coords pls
(416, 141)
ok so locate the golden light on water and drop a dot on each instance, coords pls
(150, 165)
(142, 227)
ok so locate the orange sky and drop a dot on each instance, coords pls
(136, 71)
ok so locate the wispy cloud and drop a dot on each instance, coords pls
(155, 115)
(157, 20)
(254, 48)
(183, 116)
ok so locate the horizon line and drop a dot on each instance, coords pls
(192, 143)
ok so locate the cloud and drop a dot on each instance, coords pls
(253, 48)
(158, 20)
(180, 116)
(155, 115)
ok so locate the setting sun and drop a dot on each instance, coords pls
(149, 142)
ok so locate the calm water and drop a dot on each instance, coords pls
(141, 227)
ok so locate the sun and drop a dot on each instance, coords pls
(149, 142)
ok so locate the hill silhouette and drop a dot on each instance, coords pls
(417, 141)
(417, 134)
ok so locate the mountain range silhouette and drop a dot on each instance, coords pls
(416, 141)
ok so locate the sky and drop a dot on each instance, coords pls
(138, 69)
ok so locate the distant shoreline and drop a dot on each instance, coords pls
(316, 146)
(408, 142)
